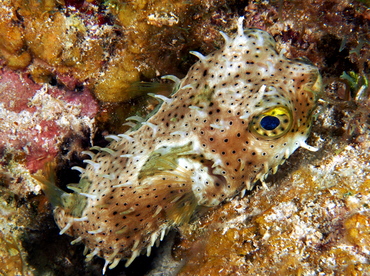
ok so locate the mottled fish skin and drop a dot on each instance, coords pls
(236, 116)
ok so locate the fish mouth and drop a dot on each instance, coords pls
(317, 85)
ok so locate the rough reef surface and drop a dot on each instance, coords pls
(70, 73)
(313, 221)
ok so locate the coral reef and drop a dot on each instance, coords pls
(34, 120)
(12, 255)
(314, 219)
(106, 47)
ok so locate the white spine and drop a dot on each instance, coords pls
(65, 228)
(152, 126)
(79, 239)
(93, 232)
(112, 137)
(173, 78)
(108, 150)
(126, 155)
(133, 257)
(130, 124)
(135, 118)
(242, 193)
(226, 37)
(92, 254)
(85, 218)
(198, 55)
(88, 195)
(240, 25)
(181, 133)
(114, 263)
(161, 97)
(77, 168)
(95, 165)
(105, 266)
(308, 147)
(108, 176)
(127, 137)
(122, 185)
(89, 153)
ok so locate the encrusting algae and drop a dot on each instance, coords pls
(104, 46)
(311, 221)
(238, 114)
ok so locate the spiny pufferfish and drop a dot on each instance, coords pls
(238, 114)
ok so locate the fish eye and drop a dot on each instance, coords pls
(272, 123)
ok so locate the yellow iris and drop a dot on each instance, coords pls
(272, 123)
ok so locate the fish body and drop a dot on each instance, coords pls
(239, 113)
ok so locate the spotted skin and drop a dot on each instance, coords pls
(206, 144)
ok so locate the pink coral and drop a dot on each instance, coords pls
(34, 119)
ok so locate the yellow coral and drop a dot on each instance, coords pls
(10, 257)
(358, 230)
(295, 227)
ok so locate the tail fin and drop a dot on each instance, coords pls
(47, 180)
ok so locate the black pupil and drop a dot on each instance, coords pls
(270, 122)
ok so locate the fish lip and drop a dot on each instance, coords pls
(317, 86)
